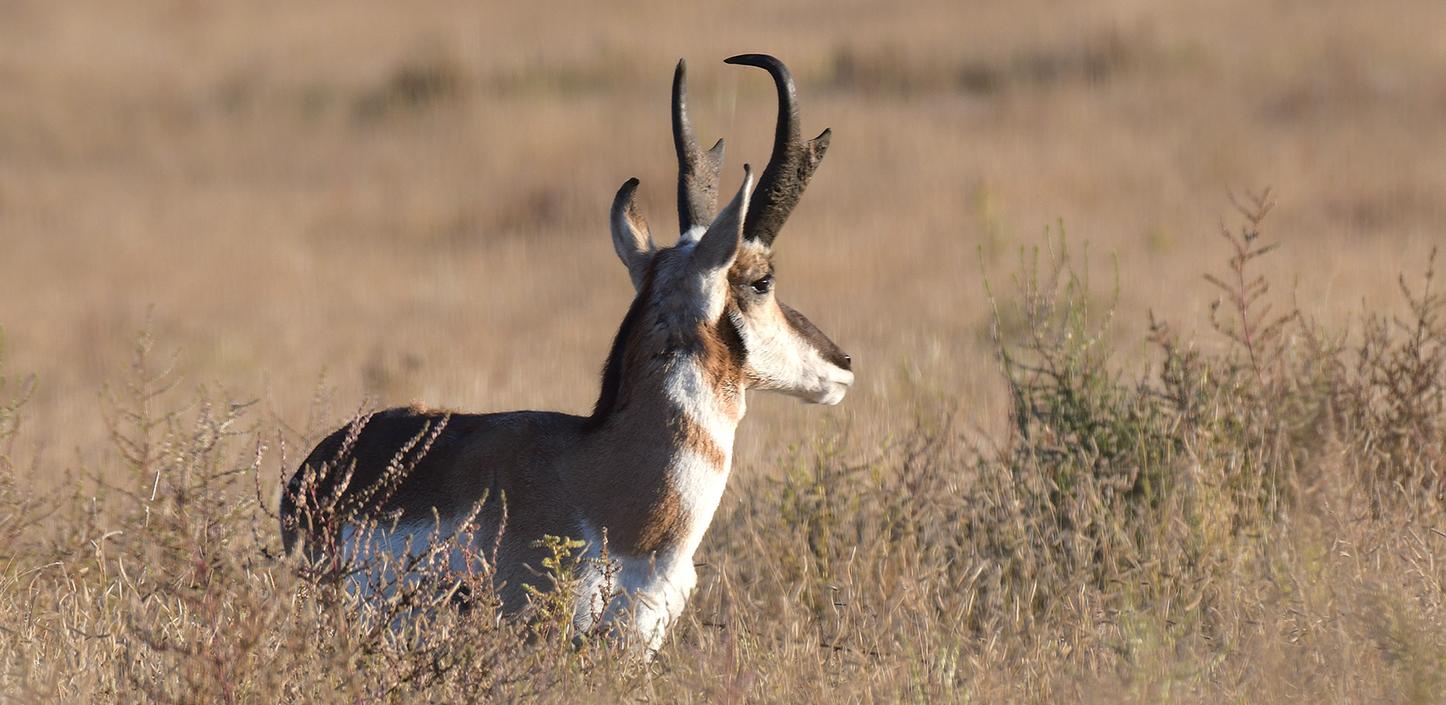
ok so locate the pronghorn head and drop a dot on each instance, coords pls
(716, 285)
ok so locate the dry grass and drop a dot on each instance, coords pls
(349, 204)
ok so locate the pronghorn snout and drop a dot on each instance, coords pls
(827, 349)
(835, 385)
(832, 368)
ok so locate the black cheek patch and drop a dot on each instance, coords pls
(732, 338)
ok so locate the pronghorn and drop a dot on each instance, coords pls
(647, 468)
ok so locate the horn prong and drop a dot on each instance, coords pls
(793, 161)
(697, 170)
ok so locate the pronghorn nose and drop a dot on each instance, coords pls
(813, 335)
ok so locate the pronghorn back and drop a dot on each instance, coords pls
(445, 464)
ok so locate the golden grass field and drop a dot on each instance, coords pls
(375, 204)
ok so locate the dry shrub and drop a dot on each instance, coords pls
(1258, 520)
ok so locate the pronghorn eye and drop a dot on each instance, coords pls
(764, 285)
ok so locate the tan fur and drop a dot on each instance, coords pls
(646, 470)
(724, 368)
(687, 434)
(648, 515)
(753, 263)
(559, 474)
(664, 526)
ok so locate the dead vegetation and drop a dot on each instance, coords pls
(1258, 521)
(1156, 500)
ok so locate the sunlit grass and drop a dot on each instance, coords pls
(1257, 523)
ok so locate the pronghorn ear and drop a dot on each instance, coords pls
(631, 239)
(720, 244)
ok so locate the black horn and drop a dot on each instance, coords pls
(697, 170)
(793, 161)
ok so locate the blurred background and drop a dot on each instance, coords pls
(379, 203)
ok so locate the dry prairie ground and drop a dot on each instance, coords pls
(382, 203)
